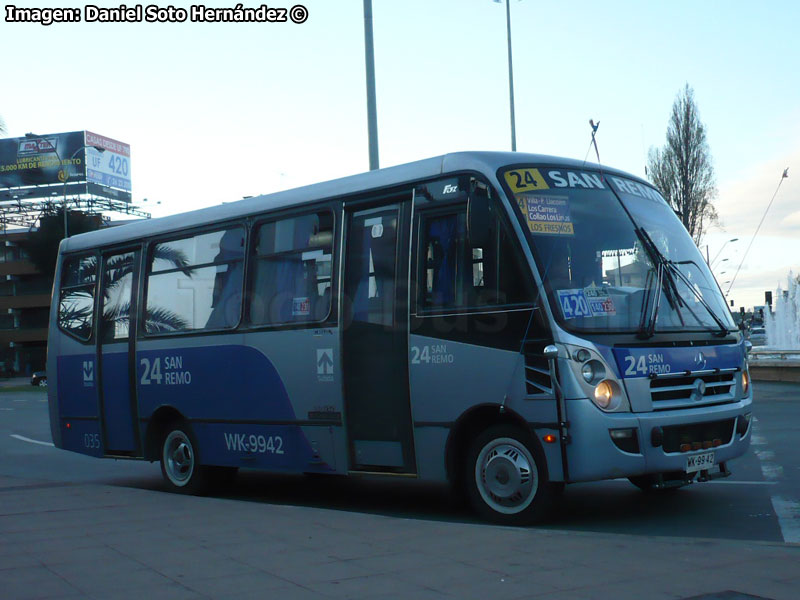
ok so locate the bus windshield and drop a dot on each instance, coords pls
(613, 255)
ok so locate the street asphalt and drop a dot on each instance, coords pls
(66, 532)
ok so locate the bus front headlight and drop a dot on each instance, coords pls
(593, 371)
(607, 395)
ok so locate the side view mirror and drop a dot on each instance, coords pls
(478, 218)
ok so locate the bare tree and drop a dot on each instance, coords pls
(2, 125)
(682, 169)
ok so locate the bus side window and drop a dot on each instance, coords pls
(457, 275)
(291, 281)
(195, 282)
(76, 302)
(116, 297)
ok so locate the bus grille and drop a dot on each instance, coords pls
(677, 392)
(698, 435)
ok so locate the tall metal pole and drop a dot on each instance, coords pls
(511, 78)
(372, 110)
(67, 175)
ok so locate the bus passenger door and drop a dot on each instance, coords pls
(118, 408)
(375, 339)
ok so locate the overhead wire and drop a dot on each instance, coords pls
(764, 216)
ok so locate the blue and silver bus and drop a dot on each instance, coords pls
(505, 322)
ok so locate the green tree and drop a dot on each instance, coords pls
(77, 306)
(42, 245)
(682, 170)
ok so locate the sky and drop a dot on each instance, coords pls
(218, 111)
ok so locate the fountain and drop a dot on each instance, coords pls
(779, 360)
(783, 327)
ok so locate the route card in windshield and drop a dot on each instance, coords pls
(588, 302)
(548, 215)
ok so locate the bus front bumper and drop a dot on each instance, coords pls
(657, 442)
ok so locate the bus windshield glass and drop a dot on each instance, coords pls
(613, 255)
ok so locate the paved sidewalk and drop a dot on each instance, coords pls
(95, 541)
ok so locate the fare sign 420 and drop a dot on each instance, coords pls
(166, 371)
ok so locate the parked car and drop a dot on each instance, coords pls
(39, 378)
(758, 336)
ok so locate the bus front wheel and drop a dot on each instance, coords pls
(506, 477)
(179, 464)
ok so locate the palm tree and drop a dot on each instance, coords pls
(157, 320)
(77, 304)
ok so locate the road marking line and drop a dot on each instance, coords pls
(30, 441)
(6, 409)
(788, 512)
(745, 482)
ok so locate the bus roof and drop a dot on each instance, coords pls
(484, 162)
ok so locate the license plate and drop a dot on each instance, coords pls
(699, 462)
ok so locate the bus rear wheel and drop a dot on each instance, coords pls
(506, 477)
(179, 464)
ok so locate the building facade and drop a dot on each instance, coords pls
(24, 307)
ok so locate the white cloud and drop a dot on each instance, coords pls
(742, 202)
(792, 219)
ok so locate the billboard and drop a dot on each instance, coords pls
(76, 157)
(42, 160)
(108, 162)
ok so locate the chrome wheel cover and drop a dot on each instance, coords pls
(506, 476)
(178, 457)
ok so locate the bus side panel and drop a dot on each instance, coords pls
(84, 436)
(447, 379)
(233, 397)
(212, 383)
(309, 364)
(75, 388)
(272, 447)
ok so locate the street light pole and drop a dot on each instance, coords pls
(372, 110)
(720, 250)
(511, 78)
(67, 175)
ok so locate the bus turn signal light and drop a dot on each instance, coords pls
(550, 438)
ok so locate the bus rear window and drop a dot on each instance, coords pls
(76, 302)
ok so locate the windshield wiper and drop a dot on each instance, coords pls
(664, 282)
(667, 271)
(723, 328)
(647, 323)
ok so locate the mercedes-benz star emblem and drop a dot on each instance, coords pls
(700, 360)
